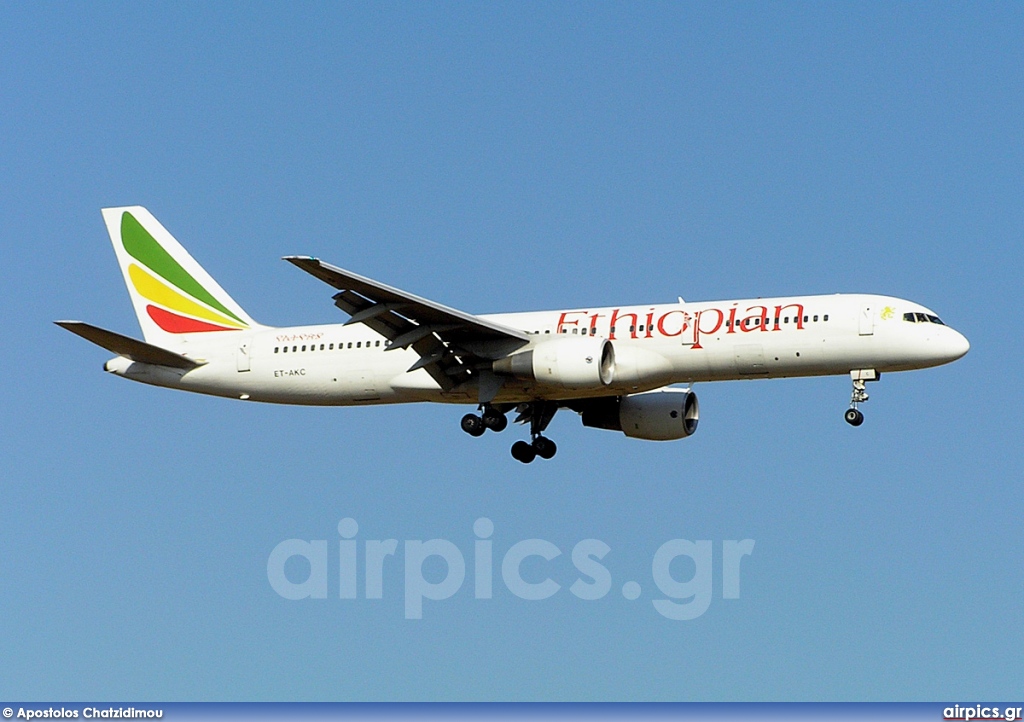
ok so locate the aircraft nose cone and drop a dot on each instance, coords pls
(957, 346)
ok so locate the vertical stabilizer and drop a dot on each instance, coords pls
(174, 298)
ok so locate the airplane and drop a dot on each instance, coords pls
(618, 367)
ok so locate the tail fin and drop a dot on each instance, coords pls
(174, 298)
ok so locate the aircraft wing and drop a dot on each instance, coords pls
(452, 345)
(130, 348)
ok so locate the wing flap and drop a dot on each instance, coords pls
(130, 348)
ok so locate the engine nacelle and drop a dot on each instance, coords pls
(661, 415)
(571, 362)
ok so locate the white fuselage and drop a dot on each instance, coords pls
(338, 365)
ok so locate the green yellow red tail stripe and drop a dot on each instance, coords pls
(178, 303)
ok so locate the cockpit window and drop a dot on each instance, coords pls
(922, 318)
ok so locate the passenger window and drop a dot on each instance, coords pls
(350, 344)
(275, 349)
(303, 348)
(359, 344)
(815, 318)
(295, 349)
(757, 322)
(285, 349)
(547, 330)
(377, 343)
(331, 347)
(776, 321)
(321, 347)
(825, 317)
(805, 319)
(632, 329)
(786, 319)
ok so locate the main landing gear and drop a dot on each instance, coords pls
(491, 418)
(853, 415)
(541, 446)
(537, 413)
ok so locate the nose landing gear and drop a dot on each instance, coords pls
(853, 415)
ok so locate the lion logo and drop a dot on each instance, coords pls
(888, 312)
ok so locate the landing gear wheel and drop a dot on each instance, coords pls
(473, 425)
(854, 417)
(544, 447)
(521, 451)
(495, 420)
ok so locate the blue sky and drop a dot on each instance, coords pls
(514, 157)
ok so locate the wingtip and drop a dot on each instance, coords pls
(296, 259)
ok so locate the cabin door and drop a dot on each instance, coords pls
(242, 356)
(867, 321)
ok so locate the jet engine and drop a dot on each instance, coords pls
(571, 362)
(661, 415)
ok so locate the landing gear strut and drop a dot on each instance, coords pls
(853, 415)
(539, 414)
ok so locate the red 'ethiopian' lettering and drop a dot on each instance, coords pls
(799, 318)
(762, 320)
(685, 323)
(563, 322)
(614, 324)
(698, 329)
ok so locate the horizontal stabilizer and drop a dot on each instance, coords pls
(128, 347)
